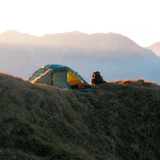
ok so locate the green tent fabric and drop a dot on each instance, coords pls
(59, 76)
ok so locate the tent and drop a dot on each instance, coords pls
(59, 76)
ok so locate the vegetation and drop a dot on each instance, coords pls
(116, 121)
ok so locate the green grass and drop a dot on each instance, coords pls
(116, 120)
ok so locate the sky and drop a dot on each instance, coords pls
(135, 19)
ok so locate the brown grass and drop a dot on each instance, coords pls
(116, 120)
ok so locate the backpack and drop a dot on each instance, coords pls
(96, 78)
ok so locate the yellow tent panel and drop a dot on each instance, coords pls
(74, 80)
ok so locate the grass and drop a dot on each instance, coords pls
(116, 120)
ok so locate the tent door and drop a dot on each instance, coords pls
(74, 81)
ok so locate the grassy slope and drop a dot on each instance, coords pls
(114, 121)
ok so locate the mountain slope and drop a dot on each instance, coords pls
(155, 48)
(114, 121)
(115, 56)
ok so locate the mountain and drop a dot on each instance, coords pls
(155, 48)
(114, 55)
(118, 121)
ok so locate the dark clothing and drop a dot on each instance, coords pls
(97, 78)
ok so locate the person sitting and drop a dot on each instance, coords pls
(97, 78)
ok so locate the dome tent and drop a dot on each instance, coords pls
(59, 76)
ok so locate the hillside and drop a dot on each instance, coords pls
(116, 120)
(155, 48)
(114, 55)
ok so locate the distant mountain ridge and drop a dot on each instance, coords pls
(114, 54)
(155, 48)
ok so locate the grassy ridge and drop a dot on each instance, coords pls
(113, 121)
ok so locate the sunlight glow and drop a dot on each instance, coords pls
(136, 19)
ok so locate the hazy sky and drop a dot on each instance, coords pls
(136, 19)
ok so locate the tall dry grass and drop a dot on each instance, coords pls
(116, 120)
